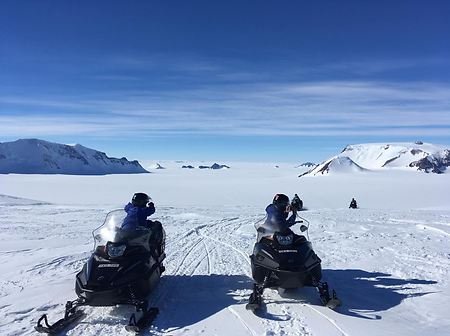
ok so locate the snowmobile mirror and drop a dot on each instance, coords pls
(303, 228)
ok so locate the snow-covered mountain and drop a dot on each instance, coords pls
(214, 166)
(34, 156)
(156, 166)
(307, 164)
(421, 156)
(218, 166)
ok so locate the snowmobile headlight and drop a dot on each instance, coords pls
(116, 251)
(285, 240)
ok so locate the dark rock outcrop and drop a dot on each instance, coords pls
(433, 164)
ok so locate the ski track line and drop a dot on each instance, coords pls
(185, 266)
(165, 291)
(201, 255)
(329, 319)
(209, 257)
(242, 321)
(220, 242)
(430, 228)
(184, 235)
(187, 250)
(206, 249)
(199, 262)
(234, 248)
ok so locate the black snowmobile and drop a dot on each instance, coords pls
(125, 268)
(282, 259)
(297, 204)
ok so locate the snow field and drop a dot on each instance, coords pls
(388, 260)
(390, 268)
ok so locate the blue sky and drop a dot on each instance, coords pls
(287, 81)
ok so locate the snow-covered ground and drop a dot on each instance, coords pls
(389, 260)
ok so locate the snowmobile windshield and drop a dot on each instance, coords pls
(113, 230)
(268, 228)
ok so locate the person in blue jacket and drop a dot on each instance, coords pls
(278, 212)
(138, 211)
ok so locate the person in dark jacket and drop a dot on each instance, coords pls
(140, 207)
(277, 218)
(353, 204)
(138, 211)
(296, 203)
(278, 211)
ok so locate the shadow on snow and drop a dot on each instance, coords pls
(363, 293)
(186, 300)
(195, 298)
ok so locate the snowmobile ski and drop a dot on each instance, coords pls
(330, 302)
(145, 321)
(70, 317)
(255, 299)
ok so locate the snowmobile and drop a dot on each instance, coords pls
(282, 260)
(124, 269)
(297, 204)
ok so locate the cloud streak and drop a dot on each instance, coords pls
(330, 108)
(198, 96)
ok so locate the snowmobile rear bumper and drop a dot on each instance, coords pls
(287, 277)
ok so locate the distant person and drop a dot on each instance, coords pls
(138, 211)
(296, 203)
(353, 204)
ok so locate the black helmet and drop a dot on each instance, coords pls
(140, 199)
(280, 199)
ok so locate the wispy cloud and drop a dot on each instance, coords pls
(193, 95)
(381, 66)
(333, 108)
(116, 78)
